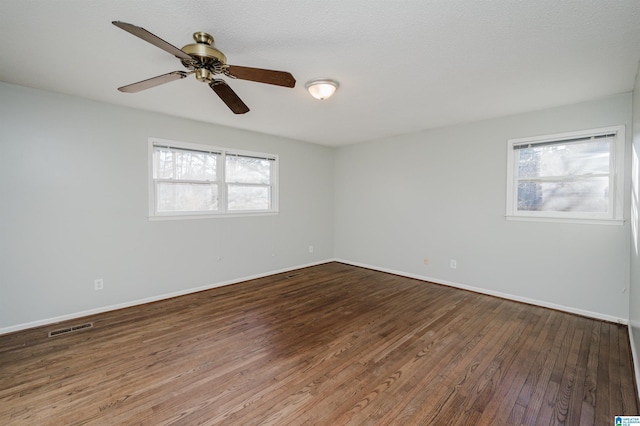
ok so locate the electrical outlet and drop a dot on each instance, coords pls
(453, 264)
(425, 260)
(98, 284)
(310, 249)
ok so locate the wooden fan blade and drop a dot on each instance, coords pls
(153, 82)
(152, 38)
(229, 97)
(279, 78)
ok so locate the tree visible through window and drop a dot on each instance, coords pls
(185, 180)
(248, 182)
(188, 180)
(571, 176)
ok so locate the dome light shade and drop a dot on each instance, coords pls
(322, 88)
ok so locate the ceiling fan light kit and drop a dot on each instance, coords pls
(322, 88)
(205, 61)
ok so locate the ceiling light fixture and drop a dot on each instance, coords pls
(322, 88)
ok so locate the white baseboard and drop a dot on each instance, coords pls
(635, 354)
(569, 309)
(48, 321)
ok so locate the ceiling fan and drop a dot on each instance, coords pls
(205, 61)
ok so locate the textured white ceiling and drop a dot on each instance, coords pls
(403, 66)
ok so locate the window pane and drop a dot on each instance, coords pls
(249, 197)
(583, 195)
(185, 165)
(571, 159)
(248, 170)
(164, 163)
(184, 197)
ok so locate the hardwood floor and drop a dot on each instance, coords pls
(327, 345)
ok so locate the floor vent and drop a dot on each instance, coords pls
(70, 329)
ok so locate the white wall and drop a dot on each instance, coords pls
(634, 296)
(441, 194)
(73, 194)
(73, 208)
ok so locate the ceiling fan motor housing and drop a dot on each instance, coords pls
(206, 57)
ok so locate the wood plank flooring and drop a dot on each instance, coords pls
(327, 345)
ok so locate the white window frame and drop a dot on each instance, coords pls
(614, 215)
(223, 210)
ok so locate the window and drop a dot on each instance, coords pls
(248, 181)
(188, 180)
(574, 176)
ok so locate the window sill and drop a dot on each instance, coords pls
(615, 222)
(211, 216)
